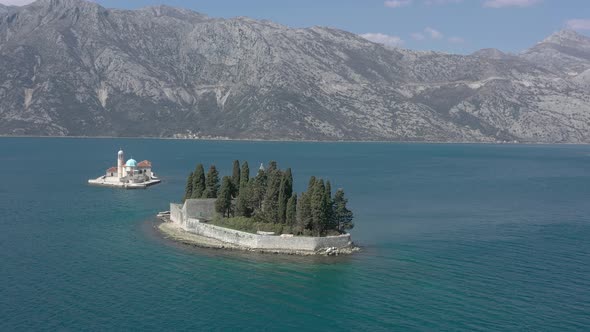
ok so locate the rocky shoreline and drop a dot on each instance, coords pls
(170, 231)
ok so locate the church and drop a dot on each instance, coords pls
(128, 174)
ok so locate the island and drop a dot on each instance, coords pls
(261, 213)
(127, 175)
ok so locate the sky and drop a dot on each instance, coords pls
(454, 26)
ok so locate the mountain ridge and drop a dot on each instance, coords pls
(74, 68)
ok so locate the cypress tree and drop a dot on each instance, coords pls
(272, 166)
(243, 202)
(236, 178)
(330, 207)
(311, 184)
(244, 175)
(257, 190)
(198, 182)
(341, 214)
(211, 183)
(223, 202)
(282, 201)
(270, 205)
(304, 211)
(188, 191)
(285, 192)
(289, 182)
(318, 208)
(291, 213)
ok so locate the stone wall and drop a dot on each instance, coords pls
(186, 221)
(200, 208)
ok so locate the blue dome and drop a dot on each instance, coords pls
(131, 163)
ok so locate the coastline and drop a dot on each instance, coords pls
(286, 140)
(173, 232)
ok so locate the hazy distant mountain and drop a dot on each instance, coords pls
(492, 53)
(71, 67)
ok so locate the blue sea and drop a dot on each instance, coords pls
(455, 237)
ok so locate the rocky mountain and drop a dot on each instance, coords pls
(492, 53)
(71, 67)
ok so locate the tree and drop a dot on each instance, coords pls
(272, 166)
(342, 216)
(311, 184)
(235, 178)
(223, 204)
(282, 202)
(198, 182)
(188, 190)
(244, 200)
(258, 190)
(244, 175)
(291, 213)
(304, 211)
(211, 183)
(243, 207)
(330, 207)
(285, 191)
(270, 205)
(319, 212)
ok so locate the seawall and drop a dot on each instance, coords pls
(181, 217)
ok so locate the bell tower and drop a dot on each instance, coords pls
(120, 164)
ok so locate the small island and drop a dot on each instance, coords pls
(127, 175)
(261, 213)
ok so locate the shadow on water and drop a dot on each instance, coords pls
(150, 229)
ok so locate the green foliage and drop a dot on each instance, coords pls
(319, 208)
(223, 204)
(330, 202)
(291, 213)
(311, 184)
(250, 225)
(342, 216)
(258, 190)
(243, 207)
(198, 182)
(244, 175)
(188, 190)
(285, 191)
(211, 183)
(268, 203)
(272, 166)
(235, 178)
(304, 211)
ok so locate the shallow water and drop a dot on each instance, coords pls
(455, 237)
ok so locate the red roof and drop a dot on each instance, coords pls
(145, 164)
(112, 170)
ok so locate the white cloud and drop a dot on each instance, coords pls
(418, 36)
(428, 32)
(397, 3)
(16, 2)
(509, 3)
(384, 39)
(578, 24)
(433, 33)
(456, 40)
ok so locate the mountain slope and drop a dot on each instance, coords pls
(72, 67)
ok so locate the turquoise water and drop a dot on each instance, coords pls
(455, 237)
